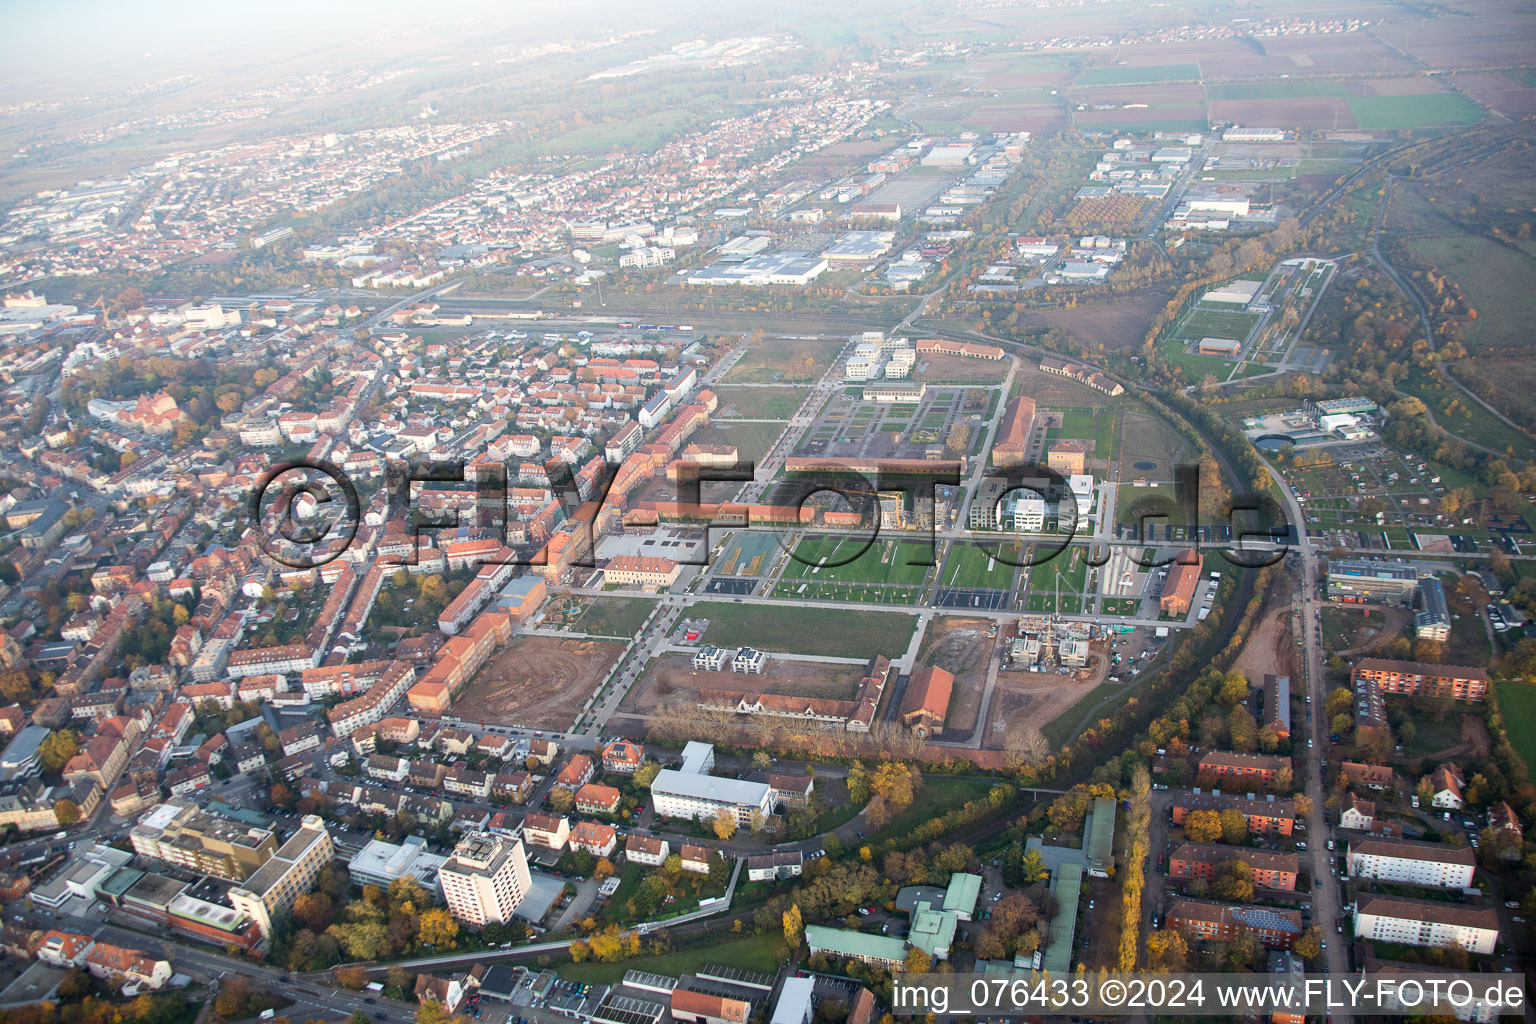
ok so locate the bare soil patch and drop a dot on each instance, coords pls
(673, 677)
(1303, 112)
(1032, 700)
(1271, 649)
(537, 682)
(938, 368)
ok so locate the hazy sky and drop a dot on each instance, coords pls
(57, 38)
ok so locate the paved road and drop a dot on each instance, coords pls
(1327, 902)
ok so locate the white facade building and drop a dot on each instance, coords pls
(1403, 860)
(1426, 923)
(485, 879)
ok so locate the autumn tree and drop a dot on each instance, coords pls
(1034, 866)
(354, 978)
(724, 824)
(313, 911)
(56, 749)
(1234, 826)
(1233, 882)
(438, 928)
(1202, 826)
(1309, 944)
(794, 927)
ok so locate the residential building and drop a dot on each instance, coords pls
(1410, 922)
(1269, 815)
(690, 792)
(649, 850)
(548, 830)
(179, 832)
(1416, 863)
(286, 875)
(1206, 920)
(1251, 770)
(1199, 860)
(485, 879)
(1416, 679)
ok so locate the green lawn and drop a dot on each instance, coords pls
(833, 633)
(760, 403)
(1518, 703)
(938, 796)
(764, 953)
(1148, 73)
(614, 616)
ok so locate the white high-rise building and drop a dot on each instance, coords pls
(485, 879)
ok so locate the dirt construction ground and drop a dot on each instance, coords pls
(1031, 700)
(672, 676)
(538, 682)
(961, 646)
(1270, 649)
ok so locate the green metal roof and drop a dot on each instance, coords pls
(963, 892)
(1101, 836)
(843, 942)
(1067, 887)
(933, 931)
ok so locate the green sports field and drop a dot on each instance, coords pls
(852, 560)
(968, 567)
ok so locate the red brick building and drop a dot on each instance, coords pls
(1199, 860)
(1415, 678)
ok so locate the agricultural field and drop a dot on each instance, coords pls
(1134, 75)
(827, 632)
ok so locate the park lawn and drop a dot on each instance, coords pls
(614, 616)
(1078, 424)
(1460, 415)
(1147, 73)
(967, 566)
(760, 403)
(1106, 434)
(938, 796)
(765, 953)
(1517, 701)
(829, 632)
